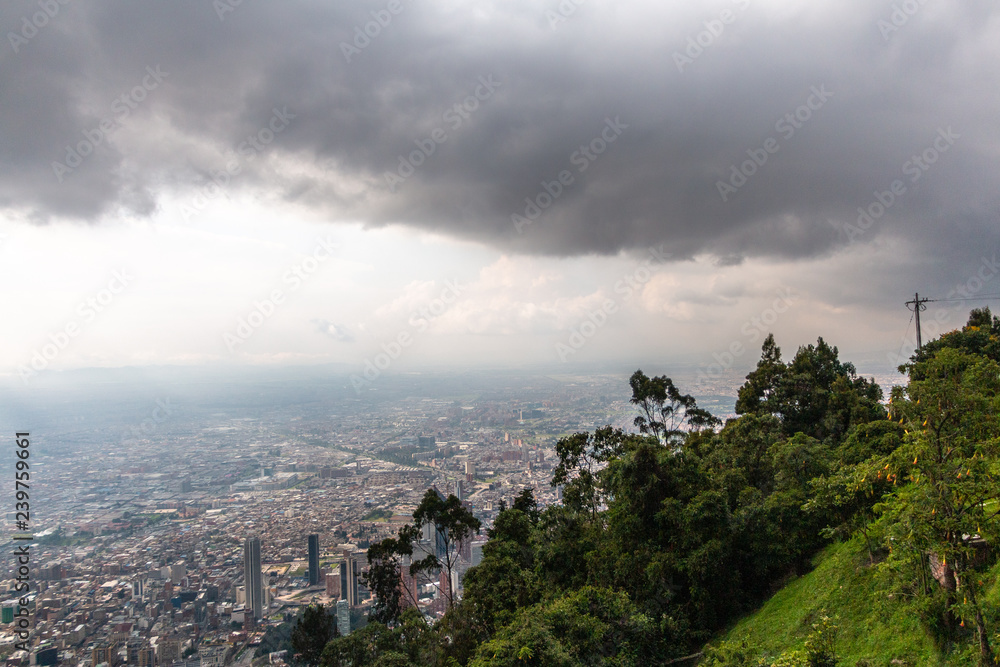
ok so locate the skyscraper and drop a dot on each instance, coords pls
(343, 579)
(313, 560)
(349, 580)
(253, 576)
(353, 575)
(408, 584)
(333, 586)
(343, 618)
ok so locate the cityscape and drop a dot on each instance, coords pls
(542, 333)
(178, 525)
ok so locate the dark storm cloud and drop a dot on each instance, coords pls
(537, 99)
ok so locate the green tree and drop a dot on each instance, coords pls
(876, 438)
(743, 447)
(737, 653)
(314, 629)
(591, 626)
(581, 455)
(505, 580)
(451, 525)
(980, 335)
(407, 644)
(384, 576)
(363, 647)
(759, 394)
(820, 644)
(665, 410)
(950, 458)
(815, 393)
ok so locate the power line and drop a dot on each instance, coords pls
(899, 355)
(919, 304)
(988, 297)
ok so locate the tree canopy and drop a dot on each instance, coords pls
(668, 534)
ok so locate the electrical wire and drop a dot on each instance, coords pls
(970, 298)
(899, 355)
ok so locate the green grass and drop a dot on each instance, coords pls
(842, 586)
(379, 515)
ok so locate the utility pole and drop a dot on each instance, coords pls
(918, 305)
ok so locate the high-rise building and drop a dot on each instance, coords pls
(476, 553)
(139, 588)
(349, 580)
(355, 577)
(314, 560)
(343, 618)
(333, 585)
(45, 655)
(147, 657)
(140, 653)
(408, 584)
(465, 549)
(253, 576)
(104, 652)
(168, 650)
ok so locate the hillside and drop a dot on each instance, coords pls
(871, 624)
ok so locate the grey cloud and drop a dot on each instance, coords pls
(656, 183)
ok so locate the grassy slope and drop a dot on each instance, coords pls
(840, 586)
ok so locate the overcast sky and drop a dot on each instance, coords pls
(511, 182)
